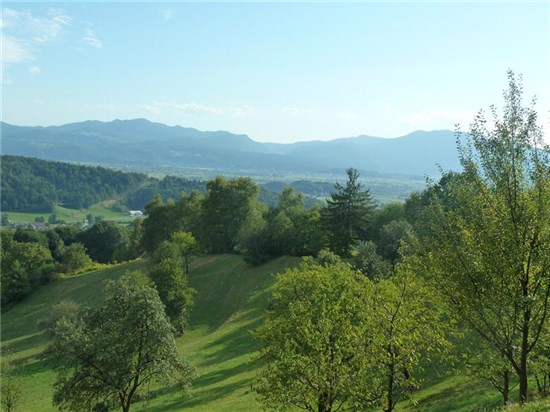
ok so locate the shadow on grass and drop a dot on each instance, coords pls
(205, 396)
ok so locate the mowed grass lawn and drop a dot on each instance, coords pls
(231, 298)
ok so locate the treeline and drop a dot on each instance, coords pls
(35, 185)
(31, 258)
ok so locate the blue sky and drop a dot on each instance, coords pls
(275, 71)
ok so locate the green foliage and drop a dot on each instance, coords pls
(102, 241)
(226, 207)
(36, 185)
(97, 368)
(315, 341)
(170, 279)
(366, 260)
(12, 389)
(65, 309)
(165, 219)
(486, 242)
(392, 236)
(348, 214)
(285, 229)
(409, 327)
(74, 257)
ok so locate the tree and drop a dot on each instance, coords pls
(391, 237)
(347, 214)
(169, 277)
(369, 262)
(187, 247)
(110, 354)
(408, 327)
(226, 207)
(74, 257)
(11, 386)
(487, 250)
(102, 240)
(315, 341)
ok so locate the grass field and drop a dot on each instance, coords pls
(231, 297)
(70, 215)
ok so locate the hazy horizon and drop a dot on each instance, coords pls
(277, 72)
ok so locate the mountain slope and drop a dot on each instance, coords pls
(142, 144)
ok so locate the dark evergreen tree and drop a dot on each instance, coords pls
(347, 215)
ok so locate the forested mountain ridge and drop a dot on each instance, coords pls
(140, 143)
(36, 185)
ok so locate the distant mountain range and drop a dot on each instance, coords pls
(142, 144)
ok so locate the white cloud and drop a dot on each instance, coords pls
(35, 70)
(38, 101)
(167, 14)
(22, 33)
(91, 40)
(14, 51)
(294, 110)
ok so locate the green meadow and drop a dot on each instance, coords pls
(231, 297)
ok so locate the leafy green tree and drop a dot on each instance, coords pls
(315, 341)
(487, 247)
(366, 260)
(408, 327)
(4, 220)
(102, 240)
(11, 386)
(15, 283)
(109, 355)
(171, 283)
(187, 246)
(74, 257)
(226, 207)
(384, 215)
(135, 246)
(348, 214)
(391, 237)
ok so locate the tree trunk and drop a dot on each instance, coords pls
(389, 397)
(523, 384)
(505, 387)
(324, 405)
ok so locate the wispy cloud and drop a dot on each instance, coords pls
(191, 108)
(91, 40)
(167, 14)
(35, 70)
(23, 32)
(199, 109)
(294, 110)
(14, 51)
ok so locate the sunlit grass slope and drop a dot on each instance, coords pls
(230, 300)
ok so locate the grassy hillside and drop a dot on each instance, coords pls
(70, 215)
(230, 300)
